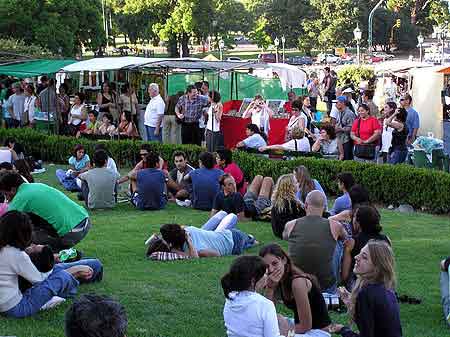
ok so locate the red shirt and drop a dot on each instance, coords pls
(367, 127)
(288, 107)
(234, 170)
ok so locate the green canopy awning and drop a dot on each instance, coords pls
(34, 68)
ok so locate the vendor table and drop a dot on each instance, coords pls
(233, 128)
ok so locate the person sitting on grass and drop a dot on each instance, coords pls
(228, 201)
(150, 193)
(57, 220)
(15, 236)
(217, 237)
(142, 164)
(372, 304)
(298, 143)
(224, 160)
(7, 153)
(177, 186)
(90, 127)
(313, 243)
(306, 184)
(79, 162)
(247, 313)
(255, 138)
(345, 182)
(23, 168)
(96, 316)
(445, 288)
(327, 144)
(285, 206)
(257, 198)
(111, 163)
(300, 292)
(366, 227)
(205, 182)
(99, 184)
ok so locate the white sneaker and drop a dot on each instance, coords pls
(185, 203)
(54, 301)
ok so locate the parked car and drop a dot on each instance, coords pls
(374, 59)
(267, 58)
(346, 59)
(233, 58)
(384, 56)
(300, 60)
(328, 58)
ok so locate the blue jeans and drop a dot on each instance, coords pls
(68, 182)
(58, 283)
(241, 241)
(337, 264)
(445, 293)
(221, 221)
(397, 157)
(151, 137)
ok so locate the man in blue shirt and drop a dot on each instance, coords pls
(343, 203)
(412, 120)
(150, 191)
(205, 182)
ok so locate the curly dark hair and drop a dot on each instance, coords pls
(15, 230)
(329, 129)
(174, 235)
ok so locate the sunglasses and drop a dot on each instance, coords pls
(402, 99)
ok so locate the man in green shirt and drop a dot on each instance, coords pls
(57, 220)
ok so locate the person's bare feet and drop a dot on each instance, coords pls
(81, 272)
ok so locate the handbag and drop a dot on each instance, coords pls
(366, 151)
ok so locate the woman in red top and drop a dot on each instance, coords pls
(366, 132)
(225, 163)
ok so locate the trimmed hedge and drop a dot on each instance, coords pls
(387, 184)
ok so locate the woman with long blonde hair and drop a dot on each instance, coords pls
(372, 303)
(285, 206)
(306, 184)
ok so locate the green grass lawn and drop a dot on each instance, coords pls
(185, 298)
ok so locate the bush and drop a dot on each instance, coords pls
(355, 74)
(387, 184)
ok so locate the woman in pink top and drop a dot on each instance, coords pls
(366, 131)
(225, 162)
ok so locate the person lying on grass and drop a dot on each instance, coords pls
(62, 281)
(213, 239)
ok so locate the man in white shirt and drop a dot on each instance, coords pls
(16, 103)
(154, 114)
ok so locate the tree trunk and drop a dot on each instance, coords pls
(185, 45)
(172, 47)
(125, 36)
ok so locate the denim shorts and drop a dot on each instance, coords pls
(241, 241)
(254, 204)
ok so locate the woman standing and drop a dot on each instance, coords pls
(372, 304)
(366, 131)
(297, 120)
(214, 137)
(63, 102)
(298, 291)
(260, 113)
(285, 206)
(247, 313)
(128, 101)
(105, 99)
(399, 149)
(77, 114)
(29, 105)
(386, 135)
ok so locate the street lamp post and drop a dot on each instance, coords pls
(276, 42)
(221, 47)
(420, 39)
(358, 36)
(372, 13)
(283, 43)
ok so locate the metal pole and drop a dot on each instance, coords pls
(420, 53)
(372, 13)
(284, 59)
(358, 52)
(276, 55)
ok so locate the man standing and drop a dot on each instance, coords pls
(171, 130)
(189, 109)
(312, 243)
(48, 103)
(154, 114)
(343, 126)
(412, 121)
(329, 84)
(16, 106)
(313, 93)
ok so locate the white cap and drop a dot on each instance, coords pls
(348, 90)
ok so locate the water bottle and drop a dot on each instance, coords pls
(67, 254)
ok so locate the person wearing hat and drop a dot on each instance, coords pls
(343, 126)
(349, 94)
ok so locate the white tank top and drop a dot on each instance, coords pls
(210, 125)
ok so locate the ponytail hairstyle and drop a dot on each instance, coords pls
(255, 129)
(244, 273)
